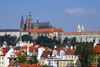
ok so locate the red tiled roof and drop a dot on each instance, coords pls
(58, 49)
(17, 53)
(46, 30)
(24, 65)
(4, 50)
(46, 53)
(82, 32)
(97, 48)
(70, 51)
(58, 30)
(24, 47)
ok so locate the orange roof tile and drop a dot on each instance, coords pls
(4, 50)
(97, 48)
(17, 53)
(82, 32)
(70, 51)
(24, 65)
(46, 30)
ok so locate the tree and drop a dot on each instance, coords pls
(27, 38)
(66, 40)
(85, 52)
(45, 65)
(22, 58)
(33, 60)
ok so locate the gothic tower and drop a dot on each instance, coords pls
(22, 24)
(29, 22)
(82, 29)
(78, 28)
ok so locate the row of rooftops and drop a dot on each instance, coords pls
(47, 30)
(45, 53)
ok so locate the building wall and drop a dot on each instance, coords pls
(42, 61)
(2, 60)
(87, 37)
(71, 57)
(95, 60)
(11, 33)
(66, 63)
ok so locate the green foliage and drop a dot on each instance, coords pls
(45, 65)
(11, 40)
(33, 60)
(27, 38)
(22, 58)
(45, 41)
(68, 41)
(85, 52)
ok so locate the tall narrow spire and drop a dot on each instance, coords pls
(22, 17)
(22, 24)
(30, 18)
(37, 19)
(20, 36)
(82, 29)
(78, 28)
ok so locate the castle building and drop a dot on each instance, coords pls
(30, 24)
(83, 36)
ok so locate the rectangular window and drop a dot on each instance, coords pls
(63, 62)
(95, 60)
(2, 58)
(70, 62)
(67, 62)
(60, 62)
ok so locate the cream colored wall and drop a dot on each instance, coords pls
(42, 61)
(69, 57)
(2, 64)
(64, 63)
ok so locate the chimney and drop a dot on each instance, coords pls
(71, 47)
(27, 50)
(55, 47)
(75, 47)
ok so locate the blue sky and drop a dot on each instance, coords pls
(65, 14)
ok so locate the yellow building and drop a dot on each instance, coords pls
(95, 60)
(70, 59)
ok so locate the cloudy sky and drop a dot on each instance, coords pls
(65, 14)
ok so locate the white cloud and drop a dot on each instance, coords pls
(78, 11)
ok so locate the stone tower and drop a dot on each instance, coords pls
(82, 29)
(78, 28)
(22, 24)
(29, 22)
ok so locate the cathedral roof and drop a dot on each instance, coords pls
(9, 30)
(46, 30)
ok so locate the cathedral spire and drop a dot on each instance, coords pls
(22, 17)
(20, 36)
(30, 18)
(78, 28)
(82, 29)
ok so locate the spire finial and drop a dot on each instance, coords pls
(22, 17)
(37, 19)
